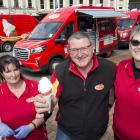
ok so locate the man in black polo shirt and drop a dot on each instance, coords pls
(81, 87)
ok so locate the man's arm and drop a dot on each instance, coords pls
(111, 98)
(111, 111)
(109, 134)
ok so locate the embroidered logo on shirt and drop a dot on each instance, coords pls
(99, 87)
(30, 100)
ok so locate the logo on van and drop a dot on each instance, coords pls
(53, 16)
(8, 28)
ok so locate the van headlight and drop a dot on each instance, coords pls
(38, 49)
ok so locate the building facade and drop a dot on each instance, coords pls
(35, 6)
(134, 4)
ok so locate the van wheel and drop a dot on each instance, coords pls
(7, 47)
(53, 63)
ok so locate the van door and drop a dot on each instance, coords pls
(64, 35)
(60, 46)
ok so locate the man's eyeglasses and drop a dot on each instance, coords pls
(135, 43)
(81, 50)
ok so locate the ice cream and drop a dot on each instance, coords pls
(45, 88)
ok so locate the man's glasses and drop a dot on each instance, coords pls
(81, 50)
(135, 43)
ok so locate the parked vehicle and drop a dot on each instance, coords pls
(12, 26)
(45, 47)
(125, 26)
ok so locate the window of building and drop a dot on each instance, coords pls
(90, 2)
(51, 4)
(71, 2)
(61, 3)
(1, 3)
(101, 1)
(29, 3)
(42, 4)
(81, 1)
(120, 8)
(16, 4)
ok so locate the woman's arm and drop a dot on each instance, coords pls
(36, 123)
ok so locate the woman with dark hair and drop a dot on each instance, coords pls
(17, 112)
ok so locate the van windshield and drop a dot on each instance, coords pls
(44, 30)
(125, 24)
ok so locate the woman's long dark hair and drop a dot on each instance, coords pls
(6, 60)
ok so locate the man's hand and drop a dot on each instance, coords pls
(41, 106)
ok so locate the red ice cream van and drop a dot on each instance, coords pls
(12, 26)
(125, 26)
(45, 47)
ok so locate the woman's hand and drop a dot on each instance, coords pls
(23, 131)
(5, 130)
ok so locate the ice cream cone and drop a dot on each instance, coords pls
(45, 88)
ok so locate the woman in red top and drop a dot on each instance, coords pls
(127, 91)
(17, 112)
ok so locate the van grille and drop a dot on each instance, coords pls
(20, 53)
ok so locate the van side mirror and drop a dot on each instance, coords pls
(25, 35)
(60, 40)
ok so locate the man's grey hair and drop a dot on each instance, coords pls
(79, 35)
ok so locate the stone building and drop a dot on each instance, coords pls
(35, 6)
